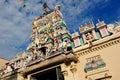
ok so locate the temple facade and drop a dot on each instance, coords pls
(3, 61)
(55, 54)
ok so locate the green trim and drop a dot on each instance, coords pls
(87, 29)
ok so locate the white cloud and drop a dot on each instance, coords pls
(15, 26)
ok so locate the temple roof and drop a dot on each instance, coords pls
(100, 24)
(74, 35)
(86, 27)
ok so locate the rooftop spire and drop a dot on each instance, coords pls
(118, 24)
(89, 21)
(98, 20)
(74, 30)
(46, 8)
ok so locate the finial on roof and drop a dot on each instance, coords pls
(79, 28)
(74, 30)
(85, 24)
(92, 22)
(118, 24)
(46, 8)
(58, 7)
(98, 20)
(89, 22)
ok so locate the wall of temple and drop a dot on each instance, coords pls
(2, 62)
(92, 54)
(99, 62)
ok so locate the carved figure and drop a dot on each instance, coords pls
(89, 37)
(113, 29)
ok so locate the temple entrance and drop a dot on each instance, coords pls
(51, 74)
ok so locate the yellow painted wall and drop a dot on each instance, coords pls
(2, 62)
(108, 49)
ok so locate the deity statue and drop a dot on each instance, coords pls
(113, 29)
(89, 37)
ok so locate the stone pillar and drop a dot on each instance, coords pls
(84, 38)
(73, 70)
(94, 34)
(29, 77)
(20, 77)
(64, 71)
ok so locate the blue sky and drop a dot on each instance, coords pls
(15, 21)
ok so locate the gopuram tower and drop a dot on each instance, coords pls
(49, 34)
(50, 45)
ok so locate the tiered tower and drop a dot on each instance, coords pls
(49, 34)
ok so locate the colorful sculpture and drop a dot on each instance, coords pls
(102, 28)
(76, 39)
(113, 29)
(88, 33)
(50, 34)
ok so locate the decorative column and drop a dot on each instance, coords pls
(64, 71)
(76, 39)
(20, 77)
(29, 77)
(73, 70)
(84, 38)
(101, 25)
(94, 34)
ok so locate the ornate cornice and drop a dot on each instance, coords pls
(98, 45)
